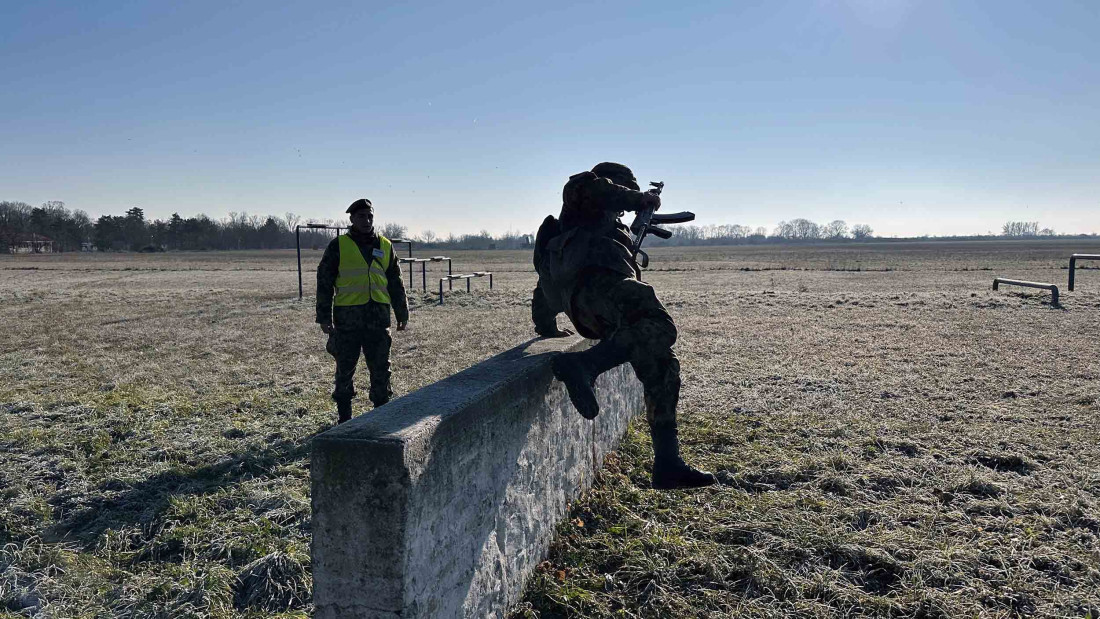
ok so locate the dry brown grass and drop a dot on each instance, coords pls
(893, 437)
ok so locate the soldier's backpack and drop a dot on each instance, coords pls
(548, 230)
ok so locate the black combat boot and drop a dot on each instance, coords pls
(343, 408)
(578, 370)
(669, 470)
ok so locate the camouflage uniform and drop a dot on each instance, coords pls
(627, 311)
(360, 328)
(586, 271)
(604, 299)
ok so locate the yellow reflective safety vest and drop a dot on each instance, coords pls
(358, 281)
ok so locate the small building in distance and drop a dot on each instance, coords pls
(31, 244)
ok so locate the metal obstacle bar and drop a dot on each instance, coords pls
(1073, 264)
(423, 268)
(405, 241)
(468, 277)
(1015, 282)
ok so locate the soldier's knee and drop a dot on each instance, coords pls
(658, 332)
(672, 365)
(669, 332)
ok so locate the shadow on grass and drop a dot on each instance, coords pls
(120, 506)
(143, 502)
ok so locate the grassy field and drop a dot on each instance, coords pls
(893, 437)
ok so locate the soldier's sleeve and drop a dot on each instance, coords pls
(612, 197)
(396, 287)
(327, 271)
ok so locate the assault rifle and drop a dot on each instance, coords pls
(645, 222)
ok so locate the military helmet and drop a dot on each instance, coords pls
(616, 173)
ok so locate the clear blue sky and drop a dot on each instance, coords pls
(912, 116)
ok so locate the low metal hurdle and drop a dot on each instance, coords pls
(468, 277)
(423, 262)
(1073, 264)
(1016, 282)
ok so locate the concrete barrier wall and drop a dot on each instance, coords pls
(442, 502)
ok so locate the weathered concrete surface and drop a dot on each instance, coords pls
(441, 503)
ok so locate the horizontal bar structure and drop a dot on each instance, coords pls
(432, 259)
(423, 262)
(441, 503)
(405, 241)
(1016, 282)
(1073, 264)
(466, 277)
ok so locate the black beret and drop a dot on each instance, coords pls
(361, 203)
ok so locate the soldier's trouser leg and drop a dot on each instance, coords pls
(642, 326)
(376, 349)
(348, 345)
(646, 329)
(659, 373)
(631, 324)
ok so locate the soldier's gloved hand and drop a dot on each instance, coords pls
(401, 325)
(327, 329)
(652, 200)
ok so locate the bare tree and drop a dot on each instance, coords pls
(291, 220)
(836, 229)
(862, 231)
(393, 230)
(15, 220)
(427, 236)
(1020, 228)
(804, 229)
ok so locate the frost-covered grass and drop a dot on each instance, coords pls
(893, 437)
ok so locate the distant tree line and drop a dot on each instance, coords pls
(132, 231)
(20, 222)
(73, 230)
(1024, 228)
(796, 230)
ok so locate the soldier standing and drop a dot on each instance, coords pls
(358, 280)
(586, 270)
